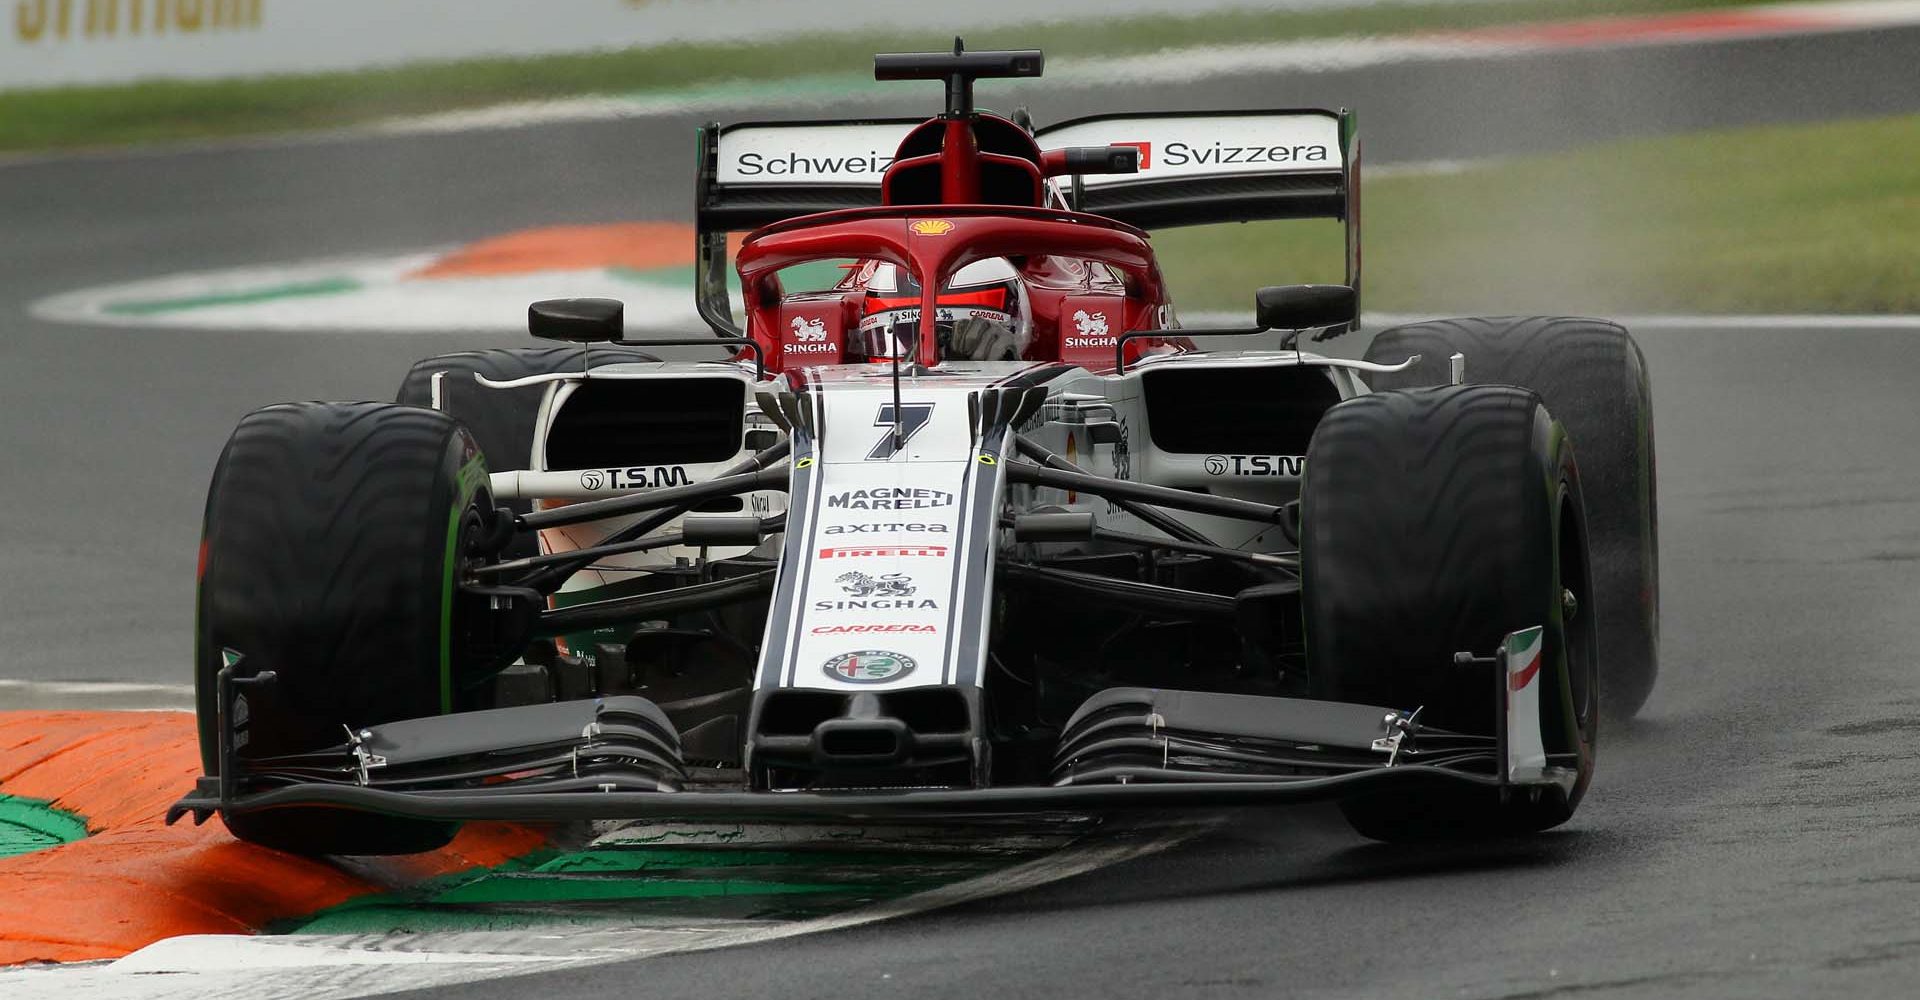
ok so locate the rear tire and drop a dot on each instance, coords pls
(1593, 378)
(332, 537)
(1435, 521)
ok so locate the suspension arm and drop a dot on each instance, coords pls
(640, 607)
(1159, 496)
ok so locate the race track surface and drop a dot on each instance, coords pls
(1750, 835)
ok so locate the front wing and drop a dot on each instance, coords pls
(618, 758)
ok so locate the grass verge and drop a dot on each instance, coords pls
(73, 117)
(1808, 218)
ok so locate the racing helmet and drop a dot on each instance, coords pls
(983, 314)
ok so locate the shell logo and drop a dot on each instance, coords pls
(932, 227)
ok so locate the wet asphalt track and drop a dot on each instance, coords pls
(1754, 834)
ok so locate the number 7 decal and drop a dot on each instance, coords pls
(911, 418)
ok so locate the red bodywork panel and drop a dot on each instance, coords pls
(1088, 279)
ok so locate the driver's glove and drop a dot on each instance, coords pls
(980, 340)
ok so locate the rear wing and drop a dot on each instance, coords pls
(1196, 168)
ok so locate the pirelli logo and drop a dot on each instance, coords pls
(65, 20)
(938, 551)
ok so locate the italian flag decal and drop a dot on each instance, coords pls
(1526, 755)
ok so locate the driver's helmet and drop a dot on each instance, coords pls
(982, 316)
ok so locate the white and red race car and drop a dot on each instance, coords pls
(975, 531)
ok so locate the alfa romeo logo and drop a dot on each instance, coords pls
(593, 479)
(869, 666)
(1216, 465)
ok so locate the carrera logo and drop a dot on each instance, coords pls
(792, 163)
(863, 629)
(1179, 154)
(931, 227)
(890, 498)
(938, 551)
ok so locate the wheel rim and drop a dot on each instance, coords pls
(1575, 578)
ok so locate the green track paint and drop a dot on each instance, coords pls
(624, 883)
(28, 825)
(149, 307)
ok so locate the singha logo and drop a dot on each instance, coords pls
(1090, 324)
(858, 584)
(809, 331)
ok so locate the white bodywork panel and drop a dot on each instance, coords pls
(1172, 147)
(877, 555)
(880, 556)
(1525, 650)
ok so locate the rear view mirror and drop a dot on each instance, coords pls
(579, 321)
(1303, 307)
(1090, 160)
(720, 529)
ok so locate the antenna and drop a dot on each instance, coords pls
(899, 414)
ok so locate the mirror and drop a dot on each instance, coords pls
(1090, 160)
(716, 529)
(579, 321)
(1303, 307)
(1059, 526)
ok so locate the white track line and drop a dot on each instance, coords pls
(1188, 65)
(100, 695)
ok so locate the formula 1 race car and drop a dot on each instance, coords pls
(975, 531)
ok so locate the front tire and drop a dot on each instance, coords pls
(1593, 377)
(332, 540)
(1435, 521)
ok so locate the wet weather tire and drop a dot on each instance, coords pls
(329, 552)
(1435, 521)
(1593, 378)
